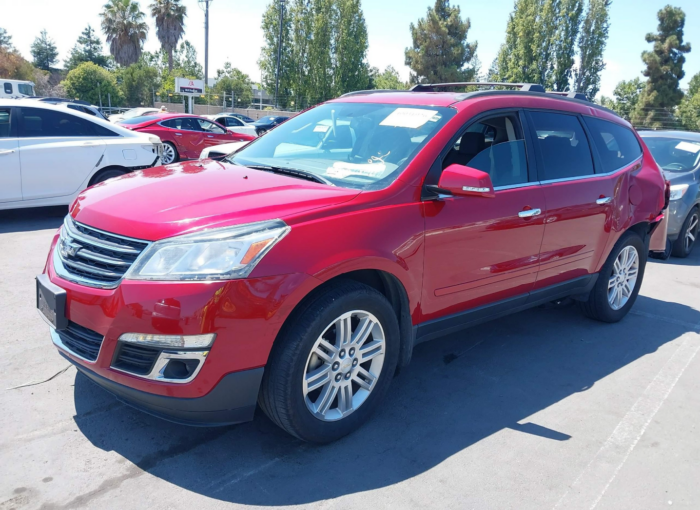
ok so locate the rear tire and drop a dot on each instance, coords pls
(611, 297)
(103, 175)
(322, 397)
(683, 246)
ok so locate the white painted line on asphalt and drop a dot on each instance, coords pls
(690, 325)
(590, 486)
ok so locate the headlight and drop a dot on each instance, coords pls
(217, 254)
(677, 191)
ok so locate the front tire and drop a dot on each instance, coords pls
(619, 280)
(689, 233)
(333, 364)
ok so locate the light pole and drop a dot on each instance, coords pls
(205, 5)
(279, 54)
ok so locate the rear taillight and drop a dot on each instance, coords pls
(667, 194)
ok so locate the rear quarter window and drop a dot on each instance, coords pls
(617, 145)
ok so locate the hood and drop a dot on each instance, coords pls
(185, 197)
(688, 177)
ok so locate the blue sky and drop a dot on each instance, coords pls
(235, 33)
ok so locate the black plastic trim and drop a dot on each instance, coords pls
(231, 401)
(438, 327)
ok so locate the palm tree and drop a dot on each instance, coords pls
(170, 25)
(122, 23)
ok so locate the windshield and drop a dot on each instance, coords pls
(674, 154)
(353, 145)
(136, 112)
(25, 89)
(138, 120)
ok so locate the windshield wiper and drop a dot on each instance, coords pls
(310, 176)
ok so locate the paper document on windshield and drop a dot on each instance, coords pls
(408, 117)
(341, 169)
(688, 147)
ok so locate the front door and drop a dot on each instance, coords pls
(57, 151)
(481, 250)
(213, 133)
(10, 175)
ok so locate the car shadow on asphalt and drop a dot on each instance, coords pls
(691, 260)
(457, 391)
(31, 219)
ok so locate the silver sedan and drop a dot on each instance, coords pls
(678, 155)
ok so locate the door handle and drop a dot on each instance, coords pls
(603, 200)
(2, 153)
(210, 136)
(178, 134)
(530, 213)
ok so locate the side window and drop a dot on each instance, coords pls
(496, 146)
(8, 88)
(172, 123)
(38, 122)
(210, 127)
(233, 122)
(616, 145)
(190, 124)
(562, 146)
(5, 115)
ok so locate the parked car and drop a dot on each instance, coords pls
(219, 152)
(184, 136)
(134, 112)
(14, 89)
(299, 272)
(678, 155)
(233, 124)
(267, 123)
(49, 153)
(73, 104)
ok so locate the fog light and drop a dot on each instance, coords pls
(169, 341)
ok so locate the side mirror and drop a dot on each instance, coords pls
(464, 181)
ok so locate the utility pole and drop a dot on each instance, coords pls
(205, 5)
(279, 54)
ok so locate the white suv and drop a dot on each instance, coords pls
(49, 154)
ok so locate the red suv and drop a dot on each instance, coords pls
(299, 272)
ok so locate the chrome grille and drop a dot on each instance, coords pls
(93, 257)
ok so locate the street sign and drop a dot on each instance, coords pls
(189, 87)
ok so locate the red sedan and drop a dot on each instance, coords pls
(184, 136)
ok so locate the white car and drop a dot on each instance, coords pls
(134, 112)
(49, 153)
(233, 124)
(221, 151)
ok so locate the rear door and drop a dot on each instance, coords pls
(10, 175)
(58, 151)
(579, 201)
(481, 250)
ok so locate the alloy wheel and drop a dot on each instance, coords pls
(691, 232)
(168, 154)
(624, 277)
(344, 365)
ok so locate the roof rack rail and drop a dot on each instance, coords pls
(571, 95)
(370, 91)
(528, 87)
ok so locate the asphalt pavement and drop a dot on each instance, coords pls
(544, 409)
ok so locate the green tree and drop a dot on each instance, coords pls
(440, 51)
(88, 81)
(5, 39)
(591, 45)
(694, 85)
(123, 24)
(664, 70)
(568, 24)
(352, 69)
(138, 82)
(626, 97)
(170, 25)
(292, 69)
(389, 79)
(44, 52)
(14, 66)
(185, 61)
(87, 49)
(689, 110)
(231, 80)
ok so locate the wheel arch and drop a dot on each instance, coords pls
(95, 174)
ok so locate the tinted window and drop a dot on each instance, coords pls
(138, 120)
(233, 122)
(4, 122)
(183, 123)
(562, 146)
(210, 127)
(81, 109)
(504, 162)
(616, 145)
(25, 89)
(8, 88)
(38, 122)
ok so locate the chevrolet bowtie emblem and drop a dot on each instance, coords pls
(69, 248)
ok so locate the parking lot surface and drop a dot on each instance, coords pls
(543, 409)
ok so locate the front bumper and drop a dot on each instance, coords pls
(246, 316)
(232, 400)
